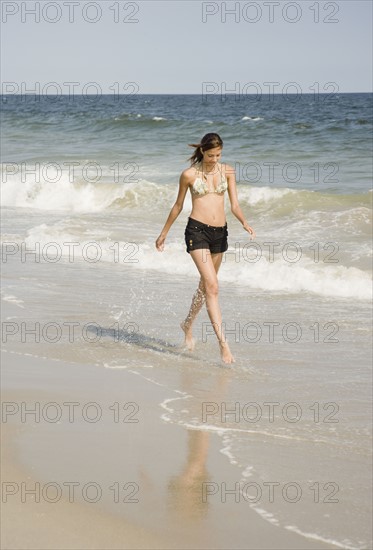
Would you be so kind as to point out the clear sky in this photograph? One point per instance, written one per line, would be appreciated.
(177, 46)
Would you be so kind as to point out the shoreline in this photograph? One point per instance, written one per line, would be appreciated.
(54, 452)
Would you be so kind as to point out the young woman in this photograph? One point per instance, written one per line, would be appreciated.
(206, 231)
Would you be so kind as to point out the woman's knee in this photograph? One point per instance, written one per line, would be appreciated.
(211, 287)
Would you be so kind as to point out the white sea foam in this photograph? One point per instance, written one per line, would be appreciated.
(78, 194)
(12, 299)
(125, 367)
(248, 472)
(64, 196)
(268, 516)
(252, 118)
(276, 275)
(255, 195)
(239, 268)
(227, 450)
(345, 545)
(345, 280)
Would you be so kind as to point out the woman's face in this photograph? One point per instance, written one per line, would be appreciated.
(212, 156)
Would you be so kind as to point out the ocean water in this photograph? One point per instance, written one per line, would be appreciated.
(86, 187)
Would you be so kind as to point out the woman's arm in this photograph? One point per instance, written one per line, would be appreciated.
(235, 206)
(175, 211)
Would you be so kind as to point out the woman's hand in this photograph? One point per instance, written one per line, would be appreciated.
(250, 230)
(159, 243)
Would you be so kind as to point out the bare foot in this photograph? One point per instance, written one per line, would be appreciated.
(189, 340)
(225, 353)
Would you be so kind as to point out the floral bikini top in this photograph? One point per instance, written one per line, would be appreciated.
(200, 187)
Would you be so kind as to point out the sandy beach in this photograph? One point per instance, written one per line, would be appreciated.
(165, 466)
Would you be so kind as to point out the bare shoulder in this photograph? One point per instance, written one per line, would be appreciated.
(188, 175)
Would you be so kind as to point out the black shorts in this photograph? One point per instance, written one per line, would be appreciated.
(202, 235)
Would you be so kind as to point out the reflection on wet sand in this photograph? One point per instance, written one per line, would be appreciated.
(185, 489)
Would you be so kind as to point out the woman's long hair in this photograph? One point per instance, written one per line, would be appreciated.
(209, 141)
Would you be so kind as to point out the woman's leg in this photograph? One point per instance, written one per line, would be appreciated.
(206, 267)
(216, 260)
(198, 300)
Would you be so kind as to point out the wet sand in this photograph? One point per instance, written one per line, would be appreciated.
(158, 468)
